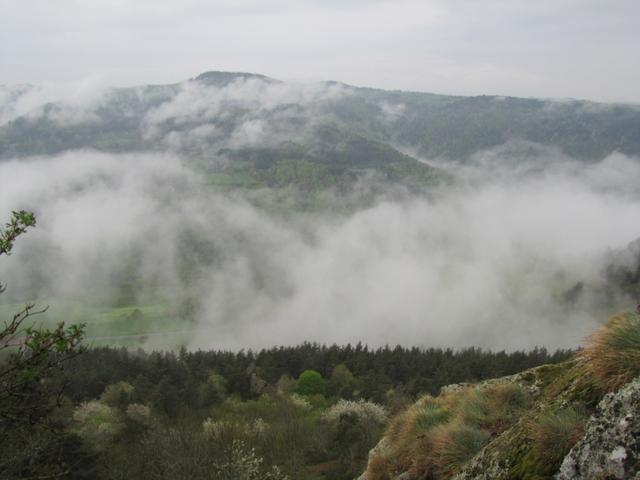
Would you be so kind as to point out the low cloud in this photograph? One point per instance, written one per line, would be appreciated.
(487, 262)
(65, 104)
(246, 112)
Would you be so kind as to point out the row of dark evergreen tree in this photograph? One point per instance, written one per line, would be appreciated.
(173, 381)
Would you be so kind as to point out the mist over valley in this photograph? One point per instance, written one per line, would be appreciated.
(238, 211)
(319, 240)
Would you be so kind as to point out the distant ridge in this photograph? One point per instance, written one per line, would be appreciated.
(221, 79)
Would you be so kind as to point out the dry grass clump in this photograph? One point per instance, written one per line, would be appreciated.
(454, 444)
(430, 414)
(475, 407)
(378, 469)
(510, 396)
(493, 408)
(436, 436)
(555, 433)
(612, 355)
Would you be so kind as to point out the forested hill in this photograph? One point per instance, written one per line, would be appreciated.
(329, 129)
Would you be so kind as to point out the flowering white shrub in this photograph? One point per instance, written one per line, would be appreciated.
(258, 426)
(139, 413)
(96, 421)
(215, 428)
(300, 402)
(244, 464)
(362, 409)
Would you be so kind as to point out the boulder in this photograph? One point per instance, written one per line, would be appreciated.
(610, 446)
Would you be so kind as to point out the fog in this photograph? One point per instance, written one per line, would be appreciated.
(75, 102)
(245, 113)
(487, 261)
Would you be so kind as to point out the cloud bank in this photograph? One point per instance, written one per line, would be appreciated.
(487, 262)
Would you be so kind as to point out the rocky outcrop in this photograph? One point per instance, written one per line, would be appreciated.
(610, 447)
(489, 463)
(380, 449)
(550, 422)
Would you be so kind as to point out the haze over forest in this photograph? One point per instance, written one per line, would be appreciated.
(319, 239)
(237, 211)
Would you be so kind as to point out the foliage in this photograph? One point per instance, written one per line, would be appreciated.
(342, 383)
(117, 395)
(30, 396)
(355, 429)
(17, 225)
(170, 380)
(310, 383)
(97, 423)
(244, 464)
(363, 410)
(34, 354)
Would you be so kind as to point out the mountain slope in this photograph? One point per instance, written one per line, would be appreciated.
(218, 110)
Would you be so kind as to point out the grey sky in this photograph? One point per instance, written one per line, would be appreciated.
(563, 48)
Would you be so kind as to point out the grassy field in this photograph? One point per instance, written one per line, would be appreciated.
(150, 326)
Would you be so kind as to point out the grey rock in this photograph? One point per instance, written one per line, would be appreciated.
(405, 476)
(610, 446)
(380, 449)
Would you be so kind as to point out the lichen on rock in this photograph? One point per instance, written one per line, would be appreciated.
(610, 447)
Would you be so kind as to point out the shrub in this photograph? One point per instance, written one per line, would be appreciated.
(300, 402)
(139, 413)
(342, 383)
(310, 382)
(285, 384)
(223, 429)
(244, 464)
(213, 391)
(363, 410)
(117, 395)
(355, 429)
(97, 422)
(612, 355)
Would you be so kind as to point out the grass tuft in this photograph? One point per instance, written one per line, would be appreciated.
(429, 415)
(454, 444)
(612, 355)
(378, 469)
(555, 433)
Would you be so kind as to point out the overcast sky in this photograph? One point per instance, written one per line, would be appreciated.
(561, 48)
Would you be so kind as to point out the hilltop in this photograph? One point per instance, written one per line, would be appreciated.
(332, 132)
